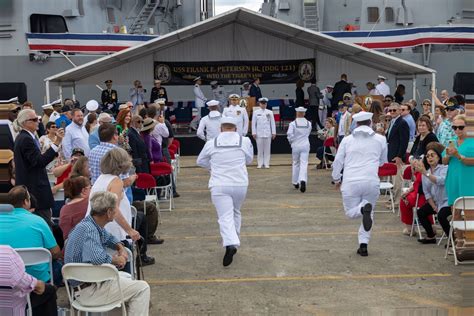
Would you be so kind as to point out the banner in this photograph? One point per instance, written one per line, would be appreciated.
(235, 72)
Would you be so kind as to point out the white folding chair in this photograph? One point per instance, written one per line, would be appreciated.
(134, 212)
(84, 272)
(462, 220)
(387, 187)
(416, 221)
(131, 275)
(34, 256)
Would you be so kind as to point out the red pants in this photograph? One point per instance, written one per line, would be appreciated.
(406, 210)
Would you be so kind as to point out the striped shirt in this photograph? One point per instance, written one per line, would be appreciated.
(13, 275)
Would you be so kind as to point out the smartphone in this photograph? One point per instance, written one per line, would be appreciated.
(63, 124)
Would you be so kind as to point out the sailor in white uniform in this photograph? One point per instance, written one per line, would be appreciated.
(219, 94)
(298, 136)
(199, 101)
(239, 113)
(382, 87)
(210, 125)
(263, 131)
(226, 156)
(360, 155)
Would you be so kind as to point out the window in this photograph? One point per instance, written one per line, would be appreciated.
(389, 15)
(110, 15)
(47, 23)
(372, 14)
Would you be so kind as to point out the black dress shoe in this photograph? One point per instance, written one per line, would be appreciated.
(427, 241)
(303, 186)
(230, 251)
(366, 211)
(155, 241)
(176, 195)
(363, 251)
(146, 261)
(297, 186)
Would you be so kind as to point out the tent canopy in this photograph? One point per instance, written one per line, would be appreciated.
(271, 26)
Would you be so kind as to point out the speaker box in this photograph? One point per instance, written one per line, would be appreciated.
(464, 83)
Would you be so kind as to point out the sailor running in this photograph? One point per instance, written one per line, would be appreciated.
(226, 156)
(298, 136)
(263, 131)
(239, 113)
(210, 125)
(360, 155)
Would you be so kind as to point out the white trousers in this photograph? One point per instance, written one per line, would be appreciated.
(300, 157)
(263, 151)
(228, 200)
(322, 116)
(136, 295)
(354, 196)
(195, 122)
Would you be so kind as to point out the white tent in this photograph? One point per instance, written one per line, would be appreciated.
(237, 35)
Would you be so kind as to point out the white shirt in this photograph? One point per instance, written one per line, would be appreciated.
(360, 155)
(241, 115)
(263, 123)
(383, 88)
(200, 99)
(211, 124)
(343, 125)
(298, 133)
(159, 132)
(245, 93)
(75, 137)
(226, 156)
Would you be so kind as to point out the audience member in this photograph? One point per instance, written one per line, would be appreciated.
(137, 94)
(314, 100)
(340, 89)
(88, 242)
(77, 190)
(299, 93)
(47, 111)
(327, 132)
(14, 277)
(152, 145)
(140, 154)
(405, 114)
(425, 136)
(91, 123)
(399, 93)
(94, 135)
(65, 118)
(440, 116)
(413, 110)
(76, 135)
(81, 168)
(124, 117)
(108, 136)
(49, 138)
(445, 133)
(343, 126)
(63, 171)
(411, 198)
(427, 109)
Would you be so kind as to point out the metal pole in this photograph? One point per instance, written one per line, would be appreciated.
(74, 91)
(433, 88)
(48, 98)
(414, 87)
(60, 92)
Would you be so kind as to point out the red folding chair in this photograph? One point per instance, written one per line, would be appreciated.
(386, 173)
(147, 182)
(328, 143)
(159, 169)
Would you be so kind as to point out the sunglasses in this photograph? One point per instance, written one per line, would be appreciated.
(460, 127)
(388, 120)
(392, 110)
(53, 126)
(431, 155)
(404, 110)
(426, 104)
(347, 98)
(33, 120)
(388, 100)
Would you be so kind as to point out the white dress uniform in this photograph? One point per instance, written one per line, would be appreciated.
(199, 101)
(263, 125)
(226, 156)
(298, 136)
(220, 95)
(241, 116)
(383, 88)
(209, 126)
(360, 155)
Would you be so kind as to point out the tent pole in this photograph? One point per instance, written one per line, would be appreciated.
(414, 87)
(433, 88)
(74, 91)
(48, 97)
(60, 91)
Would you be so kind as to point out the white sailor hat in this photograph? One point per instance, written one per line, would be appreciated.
(212, 103)
(53, 117)
(234, 96)
(197, 78)
(362, 116)
(381, 77)
(228, 120)
(246, 83)
(300, 109)
(213, 83)
(160, 101)
(47, 107)
(330, 86)
(263, 100)
(92, 105)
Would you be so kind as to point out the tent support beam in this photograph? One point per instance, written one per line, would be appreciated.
(48, 97)
(433, 88)
(414, 87)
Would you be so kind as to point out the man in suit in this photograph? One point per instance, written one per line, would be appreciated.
(140, 154)
(398, 136)
(109, 97)
(255, 91)
(31, 164)
(340, 88)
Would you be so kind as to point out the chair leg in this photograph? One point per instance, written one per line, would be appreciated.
(441, 239)
(392, 203)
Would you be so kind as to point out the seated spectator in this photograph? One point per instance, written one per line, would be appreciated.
(14, 277)
(425, 136)
(327, 131)
(151, 221)
(87, 243)
(81, 168)
(77, 190)
(63, 171)
(433, 181)
(22, 229)
(153, 147)
(409, 200)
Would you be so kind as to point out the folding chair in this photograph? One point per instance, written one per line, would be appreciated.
(177, 144)
(130, 259)
(134, 212)
(386, 172)
(462, 220)
(164, 169)
(328, 143)
(147, 182)
(34, 256)
(84, 272)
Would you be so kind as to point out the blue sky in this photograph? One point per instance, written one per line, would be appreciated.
(226, 5)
